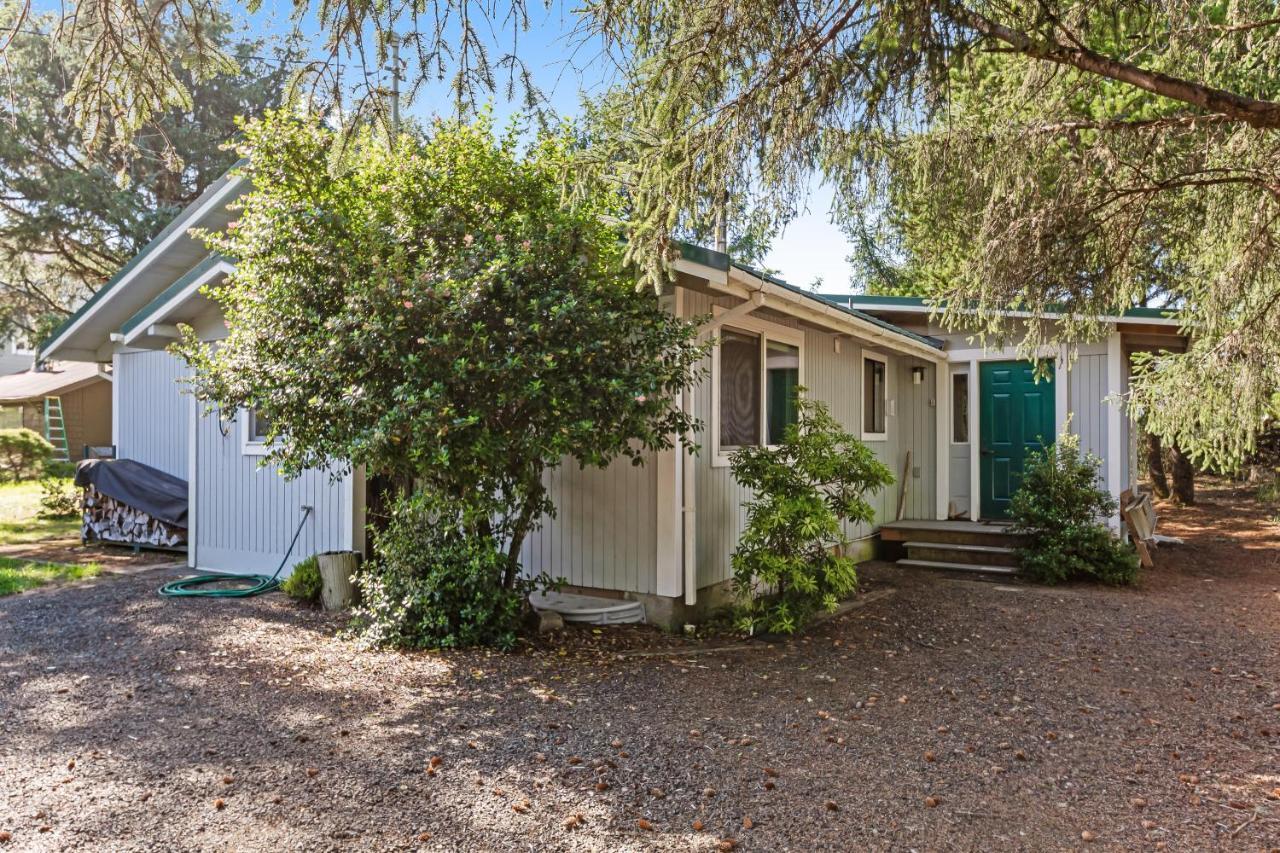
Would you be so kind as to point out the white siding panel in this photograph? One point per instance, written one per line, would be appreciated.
(834, 378)
(1087, 398)
(152, 410)
(246, 515)
(604, 533)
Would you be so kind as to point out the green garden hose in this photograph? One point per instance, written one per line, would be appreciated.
(194, 587)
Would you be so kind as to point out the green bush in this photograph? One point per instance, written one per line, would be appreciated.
(58, 499)
(304, 582)
(23, 453)
(436, 582)
(1060, 509)
(58, 468)
(789, 563)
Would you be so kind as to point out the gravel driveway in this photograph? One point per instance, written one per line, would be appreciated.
(942, 714)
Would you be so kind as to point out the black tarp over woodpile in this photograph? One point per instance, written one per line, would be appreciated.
(131, 503)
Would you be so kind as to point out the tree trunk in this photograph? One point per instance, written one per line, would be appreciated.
(1184, 477)
(532, 504)
(1155, 465)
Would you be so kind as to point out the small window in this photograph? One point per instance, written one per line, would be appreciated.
(257, 428)
(960, 408)
(782, 372)
(874, 397)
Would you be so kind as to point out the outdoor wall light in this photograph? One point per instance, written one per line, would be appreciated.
(917, 375)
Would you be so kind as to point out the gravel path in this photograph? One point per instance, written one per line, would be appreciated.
(949, 714)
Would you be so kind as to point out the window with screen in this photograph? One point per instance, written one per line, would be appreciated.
(874, 396)
(756, 381)
(960, 408)
(739, 389)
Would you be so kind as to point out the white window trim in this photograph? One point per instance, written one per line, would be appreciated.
(951, 391)
(862, 396)
(248, 445)
(767, 331)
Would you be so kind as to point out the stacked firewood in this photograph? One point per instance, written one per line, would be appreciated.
(108, 520)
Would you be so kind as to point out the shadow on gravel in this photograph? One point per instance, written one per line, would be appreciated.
(953, 715)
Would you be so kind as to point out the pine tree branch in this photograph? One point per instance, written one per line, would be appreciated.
(1252, 111)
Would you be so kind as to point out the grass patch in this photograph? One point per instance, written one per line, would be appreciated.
(17, 575)
(19, 524)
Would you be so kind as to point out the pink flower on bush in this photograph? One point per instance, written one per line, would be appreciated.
(640, 398)
(525, 245)
(467, 239)
(498, 238)
(408, 304)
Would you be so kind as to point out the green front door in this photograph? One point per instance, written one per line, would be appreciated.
(1016, 418)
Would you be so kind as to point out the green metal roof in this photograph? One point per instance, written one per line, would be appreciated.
(171, 291)
(722, 261)
(104, 291)
(921, 302)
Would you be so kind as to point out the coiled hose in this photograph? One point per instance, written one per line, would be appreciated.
(195, 586)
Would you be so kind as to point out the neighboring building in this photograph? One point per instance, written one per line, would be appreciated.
(68, 403)
(16, 355)
(662, 532)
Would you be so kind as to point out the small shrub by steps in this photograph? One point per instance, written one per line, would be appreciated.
(1061, 509)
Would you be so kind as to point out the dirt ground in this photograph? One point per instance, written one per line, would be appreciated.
(944, 714)
(109, 557)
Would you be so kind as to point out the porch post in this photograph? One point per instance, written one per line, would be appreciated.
(1115, 411)
(975, 441)
(942, 408)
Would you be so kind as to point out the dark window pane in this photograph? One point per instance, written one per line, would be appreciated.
(782, 370)
(960, 407)
(739, 389)
(259, 426)
(873, 395)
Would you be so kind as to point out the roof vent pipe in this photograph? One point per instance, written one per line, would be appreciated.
(722, 227)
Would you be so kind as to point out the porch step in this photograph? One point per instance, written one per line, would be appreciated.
(948, 552)
(975, 568)
(953, 532)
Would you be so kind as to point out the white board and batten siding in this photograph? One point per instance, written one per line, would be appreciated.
(835, 379)
(1087, 405)
(604, 533)
(242, 517)
(151, 413)
(245, 515)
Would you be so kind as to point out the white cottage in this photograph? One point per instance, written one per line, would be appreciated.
(661, 533)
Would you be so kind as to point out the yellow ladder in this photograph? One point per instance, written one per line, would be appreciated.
(55, 429)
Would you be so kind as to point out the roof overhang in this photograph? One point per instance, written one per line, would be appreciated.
(724, 276)
(155, 325)
(913, 305)
(86, 335)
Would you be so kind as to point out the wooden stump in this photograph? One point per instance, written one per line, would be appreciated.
(336, 569)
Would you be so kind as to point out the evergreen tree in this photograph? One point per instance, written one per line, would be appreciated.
(70, 216)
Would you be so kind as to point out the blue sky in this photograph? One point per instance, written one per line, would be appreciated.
(564, 66)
